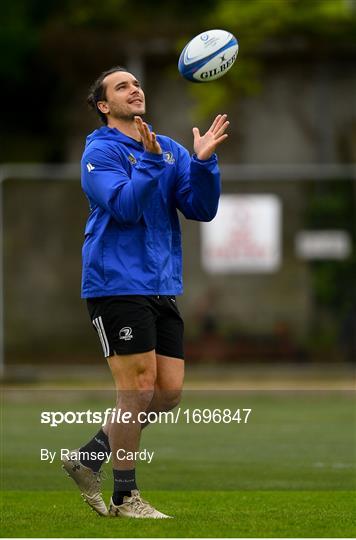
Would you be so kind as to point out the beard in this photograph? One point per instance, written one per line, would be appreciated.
(126, 113)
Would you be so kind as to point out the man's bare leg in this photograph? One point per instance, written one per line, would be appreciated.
(167, 388)
(139, 374)
(134, 376)
(168, 385)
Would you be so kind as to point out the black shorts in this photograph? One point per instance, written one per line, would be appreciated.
(136, 323)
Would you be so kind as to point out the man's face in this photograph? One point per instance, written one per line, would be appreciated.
(124, 96)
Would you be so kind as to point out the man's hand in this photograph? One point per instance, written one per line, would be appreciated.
(149, 140)
(205, 146)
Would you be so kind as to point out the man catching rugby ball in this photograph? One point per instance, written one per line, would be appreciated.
(135, 182)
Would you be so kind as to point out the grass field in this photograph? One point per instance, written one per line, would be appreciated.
(290, 471)
(197, 514)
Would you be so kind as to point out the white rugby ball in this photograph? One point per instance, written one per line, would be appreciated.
(208, 56)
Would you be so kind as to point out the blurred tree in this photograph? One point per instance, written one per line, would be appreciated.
(51, 48)
(26, 84)
(333, 281)
(264, 27)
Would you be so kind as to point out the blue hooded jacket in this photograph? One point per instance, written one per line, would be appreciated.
(132, 238)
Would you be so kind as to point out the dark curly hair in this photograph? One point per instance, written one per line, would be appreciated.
(97, 92)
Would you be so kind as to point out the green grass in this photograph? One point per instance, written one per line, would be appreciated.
(290, 471)
(204, 514)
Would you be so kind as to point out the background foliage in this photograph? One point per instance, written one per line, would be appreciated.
(53, 48)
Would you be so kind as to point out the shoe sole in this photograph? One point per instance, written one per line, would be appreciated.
(84, 497)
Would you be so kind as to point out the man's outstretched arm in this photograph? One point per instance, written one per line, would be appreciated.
(198, 184)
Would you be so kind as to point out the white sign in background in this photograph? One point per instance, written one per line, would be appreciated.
(245, 235)
(323, 245)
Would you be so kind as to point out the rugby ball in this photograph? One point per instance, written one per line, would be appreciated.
(208, 56)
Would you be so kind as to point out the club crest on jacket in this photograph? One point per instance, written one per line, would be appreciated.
(132, 159)
(168, 156)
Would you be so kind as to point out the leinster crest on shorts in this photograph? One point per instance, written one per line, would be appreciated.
(126, 333)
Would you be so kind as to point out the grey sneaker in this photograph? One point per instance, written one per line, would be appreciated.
(135, 507)
(88, 481)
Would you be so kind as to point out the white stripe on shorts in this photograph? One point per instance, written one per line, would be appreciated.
(98, 323)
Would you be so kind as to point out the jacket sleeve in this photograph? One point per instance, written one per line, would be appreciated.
(107, 183)
(197, 187)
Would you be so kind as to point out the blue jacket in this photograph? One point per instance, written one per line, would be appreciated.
(132, 238)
